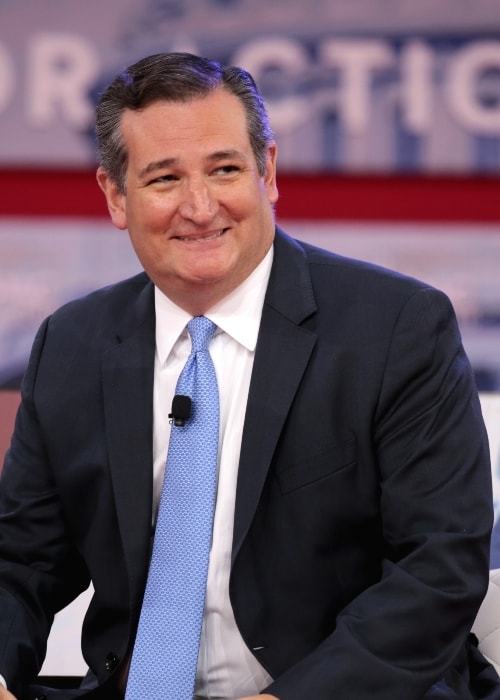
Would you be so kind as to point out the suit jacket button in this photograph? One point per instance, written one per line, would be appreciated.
(43, 696)
(111, 661)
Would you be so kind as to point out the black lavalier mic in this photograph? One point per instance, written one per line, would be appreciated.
(181, 410)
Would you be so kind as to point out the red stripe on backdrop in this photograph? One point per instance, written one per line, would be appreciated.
(74, 193)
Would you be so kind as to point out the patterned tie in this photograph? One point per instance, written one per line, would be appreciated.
(165, 654)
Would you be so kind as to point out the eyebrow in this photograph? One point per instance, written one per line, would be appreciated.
(226, 154)
(155, 165)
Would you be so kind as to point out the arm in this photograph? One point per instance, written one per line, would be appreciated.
(401, 634)
(39, 571)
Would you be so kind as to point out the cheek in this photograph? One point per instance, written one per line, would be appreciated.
(243, 207)
(149, 215)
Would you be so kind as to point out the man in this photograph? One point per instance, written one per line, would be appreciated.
(353, 513)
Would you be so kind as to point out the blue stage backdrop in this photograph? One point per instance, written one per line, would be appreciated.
(352, 85)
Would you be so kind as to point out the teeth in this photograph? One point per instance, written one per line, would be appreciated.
(202, 238)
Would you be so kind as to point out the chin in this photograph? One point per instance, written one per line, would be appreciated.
(207, 274)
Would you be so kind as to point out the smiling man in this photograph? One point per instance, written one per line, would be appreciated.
(193, 200)
(348, 482)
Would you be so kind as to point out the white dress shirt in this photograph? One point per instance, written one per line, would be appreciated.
(226, 668)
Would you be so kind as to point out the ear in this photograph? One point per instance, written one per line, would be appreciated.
(115, 199)
(270, 174)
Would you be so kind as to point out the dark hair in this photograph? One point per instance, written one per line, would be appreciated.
(174, 77)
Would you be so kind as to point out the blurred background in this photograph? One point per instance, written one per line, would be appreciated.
(386, 114)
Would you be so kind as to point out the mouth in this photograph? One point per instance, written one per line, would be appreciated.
(202, 238)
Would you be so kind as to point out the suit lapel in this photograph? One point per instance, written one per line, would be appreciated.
(127, 373)
(283, 351)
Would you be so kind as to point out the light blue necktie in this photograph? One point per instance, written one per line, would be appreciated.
(166, 648)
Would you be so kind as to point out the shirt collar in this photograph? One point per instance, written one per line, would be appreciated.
(238, 314)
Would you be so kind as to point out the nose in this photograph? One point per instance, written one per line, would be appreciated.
(197, 202)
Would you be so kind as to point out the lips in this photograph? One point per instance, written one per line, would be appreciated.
(203, 238)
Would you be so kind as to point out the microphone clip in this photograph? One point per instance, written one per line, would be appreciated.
(181, 410)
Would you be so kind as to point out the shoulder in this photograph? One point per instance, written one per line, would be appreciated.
(109, 299)
(105, 308)
(341, 284)
(98, 318)
(338, 271)
(75, 336)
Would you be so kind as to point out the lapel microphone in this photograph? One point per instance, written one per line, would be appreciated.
(181, 410)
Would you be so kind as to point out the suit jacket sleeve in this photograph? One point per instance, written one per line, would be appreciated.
(401, 633)
(40, 572)
(79, 468)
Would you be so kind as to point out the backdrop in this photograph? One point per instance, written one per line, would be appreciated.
(370, 85)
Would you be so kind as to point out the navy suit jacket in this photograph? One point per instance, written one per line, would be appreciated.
(363, 505)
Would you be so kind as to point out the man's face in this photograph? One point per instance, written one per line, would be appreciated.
(199, 215)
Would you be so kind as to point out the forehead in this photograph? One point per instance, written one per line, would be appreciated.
(218, 117)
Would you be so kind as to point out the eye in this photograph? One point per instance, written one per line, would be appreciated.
(163, 179)
(227, 169)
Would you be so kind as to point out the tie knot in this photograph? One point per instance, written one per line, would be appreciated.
(201, 330)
